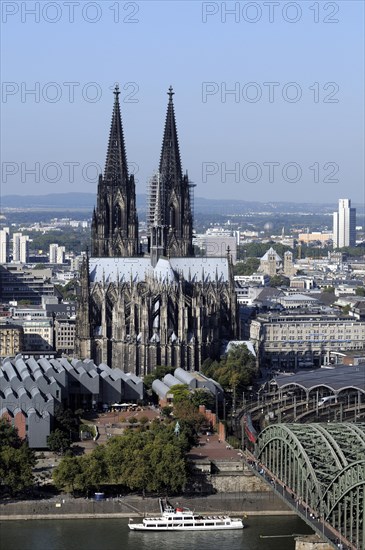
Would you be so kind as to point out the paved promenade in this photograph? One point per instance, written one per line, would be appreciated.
(66, 507)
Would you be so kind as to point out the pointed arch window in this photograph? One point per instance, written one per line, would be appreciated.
(172, 216)
(106, 212)
(119, 216)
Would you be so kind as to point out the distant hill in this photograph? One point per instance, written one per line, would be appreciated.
(201, 205)
(54, 200)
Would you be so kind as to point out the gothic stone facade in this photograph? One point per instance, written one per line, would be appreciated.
(162, 308)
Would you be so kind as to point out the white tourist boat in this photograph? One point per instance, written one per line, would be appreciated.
(183, 519)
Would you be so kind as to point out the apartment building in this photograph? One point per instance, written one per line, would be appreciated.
(38, 334)
(65, 335)
(11, 339)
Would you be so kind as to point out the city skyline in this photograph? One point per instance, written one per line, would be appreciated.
(282, 123)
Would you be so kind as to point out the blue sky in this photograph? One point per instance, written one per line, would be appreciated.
(246, 145)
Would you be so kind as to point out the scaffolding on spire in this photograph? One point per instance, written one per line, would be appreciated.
(156, 201)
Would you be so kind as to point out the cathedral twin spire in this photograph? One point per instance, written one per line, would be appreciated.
(172, 191)
(170, 163)
(115, 223)
(116, 167)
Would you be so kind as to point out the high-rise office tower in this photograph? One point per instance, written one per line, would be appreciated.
(56, 254)
(20, 248)
(24, 249)
(344, 225)
(4, 245)
(16, 247)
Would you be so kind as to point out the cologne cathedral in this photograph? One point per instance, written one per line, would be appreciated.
(160, 307)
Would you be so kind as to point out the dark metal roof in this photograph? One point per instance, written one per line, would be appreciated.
(336, 379)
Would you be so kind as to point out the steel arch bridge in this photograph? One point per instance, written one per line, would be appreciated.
(324, 466)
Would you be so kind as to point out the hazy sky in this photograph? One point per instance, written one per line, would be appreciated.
(292, 128)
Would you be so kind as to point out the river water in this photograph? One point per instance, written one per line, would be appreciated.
(113, 534)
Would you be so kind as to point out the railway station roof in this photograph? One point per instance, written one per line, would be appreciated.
(335, 379)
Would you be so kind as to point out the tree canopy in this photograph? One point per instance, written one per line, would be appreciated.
(66, 423)
(257, 250)
(144, 459)
(180, 392)
(58, 441)
(16, 460)
(159, 372)
(279, 280)
(247, 267)
(234, 371)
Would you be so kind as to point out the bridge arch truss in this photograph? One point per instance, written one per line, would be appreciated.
(324, 466)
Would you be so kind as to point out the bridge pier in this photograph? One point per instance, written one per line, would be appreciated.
(311, 542)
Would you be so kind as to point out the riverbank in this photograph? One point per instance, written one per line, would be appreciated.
(123, 515)
(64, 507)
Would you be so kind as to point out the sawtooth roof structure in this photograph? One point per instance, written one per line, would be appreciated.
(32, 389)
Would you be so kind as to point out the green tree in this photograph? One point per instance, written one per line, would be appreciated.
(68, 475)
(209, 367)
(8, 435)
(190, 421)
(16, 460)
(180, 392)
(248, 267)
(58, 441)
(204, 397)
(360, 291)
(16, 468)
(129, 461)
(279, 280)
(69, 290)
(257, 250)
(114, 456)
(94, 470)
(167, 478)
(354, 250)
(65, 419)
(234, 372)
(159, 372)
(138, 471)
(75, 239)
(149, 460)
(166, 411)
